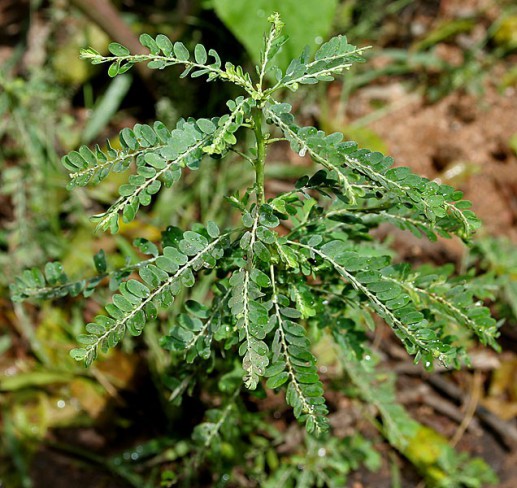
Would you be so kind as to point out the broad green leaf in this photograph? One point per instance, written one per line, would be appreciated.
(307, 23)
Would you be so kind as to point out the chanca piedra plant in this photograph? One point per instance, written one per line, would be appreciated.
(303, 260)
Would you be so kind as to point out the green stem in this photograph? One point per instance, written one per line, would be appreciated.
(261, 155)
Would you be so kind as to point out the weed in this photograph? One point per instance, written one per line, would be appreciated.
(291, 268)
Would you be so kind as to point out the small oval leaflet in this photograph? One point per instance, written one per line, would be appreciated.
(181, 51)
(118, 50)
(200, 54)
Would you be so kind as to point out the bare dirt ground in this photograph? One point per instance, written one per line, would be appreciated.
(462, 140)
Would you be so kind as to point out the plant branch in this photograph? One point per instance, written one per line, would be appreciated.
(261, 155)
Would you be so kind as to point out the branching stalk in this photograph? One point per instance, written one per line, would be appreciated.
(261, 156)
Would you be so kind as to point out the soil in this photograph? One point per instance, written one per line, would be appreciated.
(462, 130)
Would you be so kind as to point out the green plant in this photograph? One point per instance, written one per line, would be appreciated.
(497, 260)
(29, 167)
(291, 268)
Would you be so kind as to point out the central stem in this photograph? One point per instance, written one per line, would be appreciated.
(261, 155)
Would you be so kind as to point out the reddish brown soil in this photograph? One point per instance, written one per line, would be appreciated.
(461, 129)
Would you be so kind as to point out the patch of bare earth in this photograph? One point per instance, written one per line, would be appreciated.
(463, 141)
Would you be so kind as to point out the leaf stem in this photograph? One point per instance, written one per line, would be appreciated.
(261, 155)
(54, 291)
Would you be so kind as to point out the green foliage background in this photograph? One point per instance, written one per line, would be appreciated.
(247, 20)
